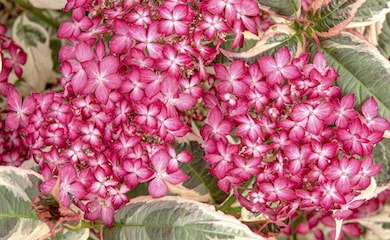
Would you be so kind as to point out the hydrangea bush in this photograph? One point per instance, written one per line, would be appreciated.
(216, 119)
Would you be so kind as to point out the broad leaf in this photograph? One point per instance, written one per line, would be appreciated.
(331, 17)
(363, 70)
(35, 41)
(273, 39)
(201, 185)
(284, 8)
(82, 234)
(175, 218)
(381, 155)
(18, 220)
(370, 12)
(384, 37)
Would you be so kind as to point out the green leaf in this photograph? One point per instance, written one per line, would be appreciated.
(370, 12)
(362, 69)
(381, 155)
(384, 37)
(285, 8)
(273, 39)
(201, 185)
(81, 234)
(332, 17)
(175, 218)
(18, 220)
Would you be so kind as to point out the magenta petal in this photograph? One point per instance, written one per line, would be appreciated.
(157, 188)
(370, 108)
(102, 93)
(176, 177)
(12, 121)
(160, 160)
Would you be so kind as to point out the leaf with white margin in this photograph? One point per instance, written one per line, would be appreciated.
(35, 41)
(175, 218)
(284, 8)
(18, 220)
(381, 155)
(332, 16)
(384, 37)
(370, 12)
(48, 4)
(362, 69)
(274, 38)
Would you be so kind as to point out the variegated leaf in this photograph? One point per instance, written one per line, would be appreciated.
(381, 154)
(363, 70)
(18, 220)
(384, 37)
(35, 41)
(175, 218)
(332, 16)
(273, 39)
(82, 234)
(284, 8)
(370, 12)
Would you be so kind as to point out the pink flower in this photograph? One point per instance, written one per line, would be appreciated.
(211, 24)
(370, 111)
(18, 117)
(174, 20)
(136, 172)
(367, 170)
(217, 126)
(341, 171)
(231, 80)
(330, 195)
(279, 190)
(278, 68)
(147, 39)
(102, 77)
(160, 162)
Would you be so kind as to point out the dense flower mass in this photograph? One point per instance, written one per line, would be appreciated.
(136, 76)
(133, 74)
(282, 123)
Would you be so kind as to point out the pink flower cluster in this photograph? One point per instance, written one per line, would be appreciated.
(13, 150)
(133, 75)
(283, 125)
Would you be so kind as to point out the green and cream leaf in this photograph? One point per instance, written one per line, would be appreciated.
(332, 16)
(175, 218)
(18, 220)
(370, 12)
(362, 68)
(35, 41)
(283, 8)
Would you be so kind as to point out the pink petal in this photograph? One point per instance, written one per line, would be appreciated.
(176, 177)
(160, 160)
(157, 188)
(282, 56)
